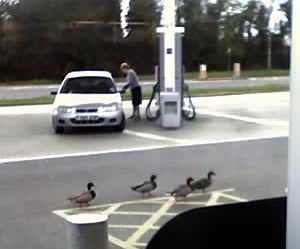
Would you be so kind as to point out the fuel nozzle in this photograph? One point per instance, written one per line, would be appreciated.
(185, 87)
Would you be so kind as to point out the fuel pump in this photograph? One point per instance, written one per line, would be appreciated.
(170, 90)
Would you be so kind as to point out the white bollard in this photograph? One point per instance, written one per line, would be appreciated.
(87, 231)
(203, 71)
(236, 70)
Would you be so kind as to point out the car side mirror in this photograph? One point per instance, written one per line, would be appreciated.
(54, 93)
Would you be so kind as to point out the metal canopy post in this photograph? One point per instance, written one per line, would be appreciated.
(293, 210)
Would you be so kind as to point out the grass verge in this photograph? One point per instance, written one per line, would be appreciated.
(195, 92)
(188, 76)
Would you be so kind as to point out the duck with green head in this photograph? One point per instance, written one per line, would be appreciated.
(204, 183)
(147, 186)
(84, 197)
(184, 190)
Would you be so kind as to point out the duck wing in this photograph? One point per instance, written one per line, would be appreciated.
(145, 187)
(182, 191)
(201, 184)
(81, 198)
(178, 189)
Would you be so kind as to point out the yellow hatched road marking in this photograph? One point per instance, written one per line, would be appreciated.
(140, 213)
(165, 203)
(112, 209)
(155, 200)
(192, 203)
(120, 243)
(140, 244)
(150, 222)
(213, 200)
(131, 226)
(232, 197)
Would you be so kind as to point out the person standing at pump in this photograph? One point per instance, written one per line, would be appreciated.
(136, 90)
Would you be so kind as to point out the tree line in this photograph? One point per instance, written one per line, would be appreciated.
(47, 38)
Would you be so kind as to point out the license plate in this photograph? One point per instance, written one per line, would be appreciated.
(83, 118)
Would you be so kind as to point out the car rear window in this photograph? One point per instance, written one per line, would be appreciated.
(89, 85)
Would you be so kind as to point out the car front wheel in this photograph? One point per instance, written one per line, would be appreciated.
(59, 130)
(122, 125)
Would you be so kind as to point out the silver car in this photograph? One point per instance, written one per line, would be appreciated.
(87, 99)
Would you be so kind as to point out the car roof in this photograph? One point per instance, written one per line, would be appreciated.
(77, 74)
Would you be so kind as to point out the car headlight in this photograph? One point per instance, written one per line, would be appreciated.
(110, 108)
(65, 109)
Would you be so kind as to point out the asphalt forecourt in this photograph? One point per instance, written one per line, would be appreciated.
(242, 138)
(219, 119)
(35, 192)
(133, 223)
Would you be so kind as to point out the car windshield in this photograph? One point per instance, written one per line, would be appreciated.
(89, 85)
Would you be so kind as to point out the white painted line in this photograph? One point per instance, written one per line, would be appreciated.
(270, 122)
(79, 154)
(157, 137)
(253, 79)
(25, 110)
(134, 149)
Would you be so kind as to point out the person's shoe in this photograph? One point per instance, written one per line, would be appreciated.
(132, 117)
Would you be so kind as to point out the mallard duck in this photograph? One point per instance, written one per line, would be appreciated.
(85, 197)
(204, 183)
(146, 187)
(184, 190)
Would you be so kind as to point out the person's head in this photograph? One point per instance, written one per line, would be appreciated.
(124, 67)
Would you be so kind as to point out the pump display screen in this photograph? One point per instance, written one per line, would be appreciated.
(171, 107)
(169, 51)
